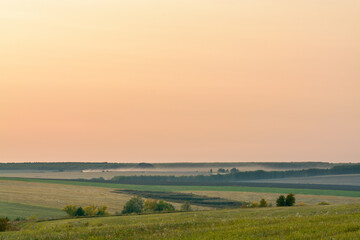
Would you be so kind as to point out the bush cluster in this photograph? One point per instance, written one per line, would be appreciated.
(92, 210)
(152, 205)
(4, 224)
(138, 205)
(262, 203)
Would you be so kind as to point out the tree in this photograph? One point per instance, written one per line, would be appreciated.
(101, 211)
(163, 206)
(280, 202)
(254, 205)
(70, 210)
(263, 203)
(234, 170)
(185, 206)
(135, 204)
(290, 200)
(211, 171)
(145, 165)
(221, 170)
(150, 205)
(90, 210)
(80, 212)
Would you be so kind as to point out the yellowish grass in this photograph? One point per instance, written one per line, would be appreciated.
(57, 196)
(60, 195)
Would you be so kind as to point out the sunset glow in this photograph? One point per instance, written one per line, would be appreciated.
(165, 81)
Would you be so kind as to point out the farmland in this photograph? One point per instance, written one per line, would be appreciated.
(44, 198)
(56, 194)
(171, 188)
(16, 210)
(308, 222)
(348, 179)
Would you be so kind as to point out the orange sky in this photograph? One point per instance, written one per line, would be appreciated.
(163, 81)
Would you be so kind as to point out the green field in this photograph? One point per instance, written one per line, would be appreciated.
(14, 210)
(195, 188)
(345, 179)
(309, 222)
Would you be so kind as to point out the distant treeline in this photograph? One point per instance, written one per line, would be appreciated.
(232, 177)
(79, 166)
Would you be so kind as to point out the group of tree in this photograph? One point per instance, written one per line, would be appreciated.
(287, 201)
(232, 175)
(262, 203)
(138, 205)
(232, 170)
(92, 210)
(78, 166)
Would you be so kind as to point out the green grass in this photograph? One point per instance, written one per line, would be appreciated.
(295, 223)
(14, 210)
(345, 179)
(170, 188)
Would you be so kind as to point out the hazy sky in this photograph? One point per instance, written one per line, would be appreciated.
(163, 81)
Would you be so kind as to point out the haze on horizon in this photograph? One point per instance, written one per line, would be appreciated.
(165, 81)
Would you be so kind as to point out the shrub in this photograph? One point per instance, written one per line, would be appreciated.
(90, 210)
(70, 210)
(323, 203)
(263, 203)
(163, 206)
(150, 205)
(290, 200)
(32, 217)
(102, 211)
(185, 206)
(254, 205)
(80, 212)
(280, 202)
(4, 224)
(134, 205)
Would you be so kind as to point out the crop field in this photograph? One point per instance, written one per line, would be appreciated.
(57, 196)
(172, 188)
(347, 179)
(295, 223)
(15, 210)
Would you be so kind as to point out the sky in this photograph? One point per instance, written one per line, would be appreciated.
(167, 81)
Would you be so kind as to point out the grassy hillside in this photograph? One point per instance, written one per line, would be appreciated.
(311, 222)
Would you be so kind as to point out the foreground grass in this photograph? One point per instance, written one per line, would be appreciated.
(14, 210)
(171, 188)
(310, 222)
